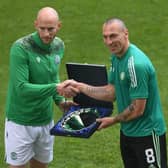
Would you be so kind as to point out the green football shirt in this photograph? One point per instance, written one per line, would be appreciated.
(34, 73)
(134, 77)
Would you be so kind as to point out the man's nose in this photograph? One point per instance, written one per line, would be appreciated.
(46, 32)
(109, 41)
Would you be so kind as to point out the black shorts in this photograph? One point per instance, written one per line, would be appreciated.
(144, 152)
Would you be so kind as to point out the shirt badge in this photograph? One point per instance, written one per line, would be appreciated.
(57, 59)
(13, 155)
(122, 75)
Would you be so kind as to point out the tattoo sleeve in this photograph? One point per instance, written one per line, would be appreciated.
(131, 107)
(126, 114)
(105, 93)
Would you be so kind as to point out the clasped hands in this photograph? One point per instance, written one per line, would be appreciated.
(68, 88)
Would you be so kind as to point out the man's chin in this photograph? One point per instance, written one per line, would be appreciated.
(47, 41)
(112, 50)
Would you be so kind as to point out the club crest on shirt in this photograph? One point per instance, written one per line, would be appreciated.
(122, 75)
(57, 59)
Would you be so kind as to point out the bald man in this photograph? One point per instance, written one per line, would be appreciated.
(34, 79)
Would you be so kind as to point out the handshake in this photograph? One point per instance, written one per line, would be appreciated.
(70, 88)
(104, 94)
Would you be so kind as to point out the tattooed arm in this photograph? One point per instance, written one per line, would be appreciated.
(68, 88)
(106, 93)
(134, 110)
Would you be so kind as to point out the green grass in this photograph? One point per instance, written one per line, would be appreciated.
(81, 31)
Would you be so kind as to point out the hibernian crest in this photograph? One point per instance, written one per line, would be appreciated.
(57, 59)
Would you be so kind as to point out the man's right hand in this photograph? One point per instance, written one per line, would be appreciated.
(68, 88)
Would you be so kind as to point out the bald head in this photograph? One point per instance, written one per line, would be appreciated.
(47, 24)
(47, 13)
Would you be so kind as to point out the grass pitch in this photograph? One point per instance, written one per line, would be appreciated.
(81, 31)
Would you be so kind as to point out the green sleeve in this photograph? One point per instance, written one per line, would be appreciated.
(111, 71)
(19, 71)
(139, 82)
(110, 76)
(56, 97)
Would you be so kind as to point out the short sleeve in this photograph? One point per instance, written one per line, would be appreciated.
(139, 77)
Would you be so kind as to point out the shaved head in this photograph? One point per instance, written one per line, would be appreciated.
(47, 24)
(115, 35)
(117, 22)
(47, 12)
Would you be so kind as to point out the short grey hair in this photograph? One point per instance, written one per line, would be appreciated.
(116, 20)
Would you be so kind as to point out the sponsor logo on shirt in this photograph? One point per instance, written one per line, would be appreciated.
(57, 59)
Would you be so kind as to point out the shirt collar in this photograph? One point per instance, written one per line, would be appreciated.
(40, 43)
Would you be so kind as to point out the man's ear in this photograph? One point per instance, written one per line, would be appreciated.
(35, 24)
(59, 25)
(126, 32)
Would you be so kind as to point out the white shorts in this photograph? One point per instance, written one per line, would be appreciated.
(22, 143)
